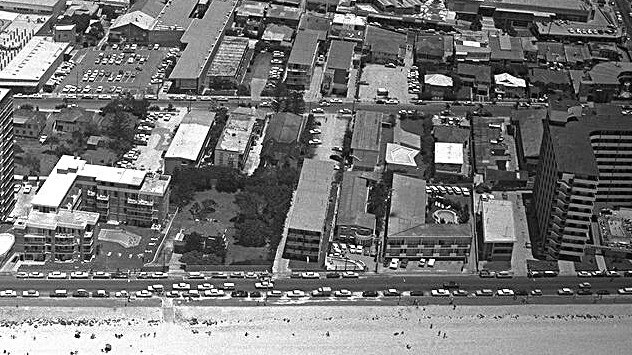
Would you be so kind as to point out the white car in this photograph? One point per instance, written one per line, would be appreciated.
(22, 274)
(625, 291)
(394, 264)
(159, 275)
(57, 275)
(350, 275)
(30, 293)
(214, 293)
(79, 275)
(505, 292)
(310, 275)
(315, 131)
(204, 287)
(343, 293)
(440, 293)
(565, 292)
(8, 293)
(264, 285)
(121, 294)
(315, 141)
(318, 110)
(274, 293)
(36, 275)
(194, 275)
(335, 100)
(296, 293)
(181, 286)
(583, 274)
(143, 294)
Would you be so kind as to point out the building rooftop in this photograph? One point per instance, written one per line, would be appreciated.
(430, 45)
(509, 80)
(283, 12)
(505, 47)
(408, 204)
(284, 127)
(551, 52)
(277, 33)
(481, 73)
(498, 222)
(540, 5)
(385, 41)
(366, 131)
(546, 76)
(349, 20)
(33, 61)
(188, 141)
(311, 199)
(531, 130)
(32, 2)
(63, 218)
(400, 155)
(155, 184)
(448, 153)
(236, 134)
(450, 134)
(438, 80)
(175, 15)
(228, 57)
(340, 55)
(136, 18)
(607, 73)
(201, 37)
(354, 195)
(315, 22)
(252, 9)
(6, 243)
(304, 48)
(69, 168)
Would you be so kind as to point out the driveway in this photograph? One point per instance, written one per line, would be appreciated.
(333, 130)
(151, 154)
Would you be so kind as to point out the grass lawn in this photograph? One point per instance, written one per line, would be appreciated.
(210, 214)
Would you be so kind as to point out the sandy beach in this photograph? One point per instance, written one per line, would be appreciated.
(534, 329)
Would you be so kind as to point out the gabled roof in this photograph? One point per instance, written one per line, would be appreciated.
(400, 155)
(284, 127)
(509, 80)
(354, 195)
(136, 18)
(438, 80)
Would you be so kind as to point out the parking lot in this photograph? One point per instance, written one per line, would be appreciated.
(149, 155)
(378, 76)
(116, 71)
(333, 130)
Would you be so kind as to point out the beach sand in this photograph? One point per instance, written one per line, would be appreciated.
(534, 329)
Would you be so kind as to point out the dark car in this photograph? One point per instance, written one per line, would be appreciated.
(486, 274)
(369, 294)
(584, 291)
(81, 293)
(333, 275)
(417, 293)
(403, 264)
(627, 273)
(120, 275)
(239, 294)
(296, 275)
(336, 157)
(522, 293)
(255, 294)
(603, 292)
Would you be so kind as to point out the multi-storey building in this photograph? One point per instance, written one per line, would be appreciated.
(408, 234)
(233, 147)
(306, 239)
(300, 64)
(63, 235)
(7, 200)
(584, 166)
(129, 196)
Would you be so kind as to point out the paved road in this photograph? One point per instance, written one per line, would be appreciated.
(373, 283)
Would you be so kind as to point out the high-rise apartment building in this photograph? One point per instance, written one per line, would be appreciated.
(585, 165)
(7, 198)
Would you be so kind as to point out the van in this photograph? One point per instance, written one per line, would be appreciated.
(430, 262)
(394, 264)
(228, 286)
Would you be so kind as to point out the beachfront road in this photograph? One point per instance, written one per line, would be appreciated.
(364, 283)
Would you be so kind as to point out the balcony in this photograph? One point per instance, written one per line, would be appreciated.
(104, 198)
(91, 193)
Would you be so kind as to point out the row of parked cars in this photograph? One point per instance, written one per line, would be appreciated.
(61, 275)
(445, 189)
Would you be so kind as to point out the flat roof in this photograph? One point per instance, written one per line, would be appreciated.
(31, 2)
(448, 153)
(340, 55)
(405, 138)
(68, 168)
(311, 199)
(228, 57)
(284, 127)
(304, 48)
(354, 194)
(201, 38)
(400, 155)
(236, 134)
(531, 130)
(366, 131)
(560, 5)
(33, 61)
(498, 222)
(408, 204)
(188, 141)
(175, 14)
(385, 41)
(62, 218)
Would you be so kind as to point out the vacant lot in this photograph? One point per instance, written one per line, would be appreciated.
(379, 76)
(211, 213)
